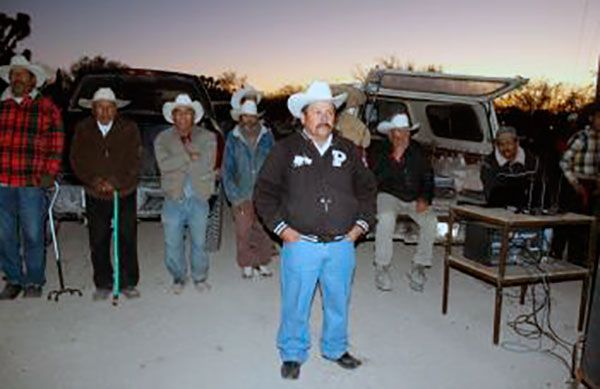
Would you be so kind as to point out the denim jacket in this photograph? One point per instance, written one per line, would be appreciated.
(242, 163)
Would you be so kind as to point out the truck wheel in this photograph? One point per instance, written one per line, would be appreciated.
(215, 222)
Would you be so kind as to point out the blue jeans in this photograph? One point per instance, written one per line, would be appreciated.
(190, 212)
(22, 219)
(303, 264)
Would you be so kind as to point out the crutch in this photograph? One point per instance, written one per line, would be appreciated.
(116, 288)
(55, 294)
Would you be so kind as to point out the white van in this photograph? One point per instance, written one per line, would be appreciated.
(458, 123)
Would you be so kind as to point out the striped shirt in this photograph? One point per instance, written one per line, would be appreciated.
(31, 141)
(582, 158)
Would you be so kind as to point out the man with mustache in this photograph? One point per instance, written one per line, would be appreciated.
(405, 184)
(314, 193)
(31, 145)
(506, 171)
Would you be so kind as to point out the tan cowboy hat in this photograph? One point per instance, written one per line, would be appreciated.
(183, 100)
(355, 98)
(317, 91)
(246, 91)
(400, 122)
(19, 61)
(105, 94)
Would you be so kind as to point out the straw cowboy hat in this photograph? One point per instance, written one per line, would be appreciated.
(356, 97)
(183, 100)
(19, 61)
(353, 129)
(246, 91)
(318, 91)
(105, 94)
(398, 122)
(248, 108)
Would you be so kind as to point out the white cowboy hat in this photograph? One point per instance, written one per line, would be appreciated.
(398, 122)
(238, 96)
(106, 94)
(317, 91)
(183, 100)
(248, 108)
(19, 61)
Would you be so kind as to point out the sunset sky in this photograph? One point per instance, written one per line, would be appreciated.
(278, 42)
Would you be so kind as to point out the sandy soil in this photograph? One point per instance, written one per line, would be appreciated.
(225, 338)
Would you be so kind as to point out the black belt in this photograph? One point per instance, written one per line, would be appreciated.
(322, 238)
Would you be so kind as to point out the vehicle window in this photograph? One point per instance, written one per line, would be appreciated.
(145, 93)
(454, 121)
(380, 110)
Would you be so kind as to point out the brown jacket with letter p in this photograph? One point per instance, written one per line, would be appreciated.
(316, 195)
(115, 157)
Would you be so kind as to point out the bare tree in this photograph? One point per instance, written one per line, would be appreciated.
(541, 95)
(86, 64)
(214, 89)
(286, 90)
(393, 62)
(230, 81)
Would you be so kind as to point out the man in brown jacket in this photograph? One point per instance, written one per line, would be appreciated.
(105, 156)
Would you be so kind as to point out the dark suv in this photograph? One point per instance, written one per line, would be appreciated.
(147, 91)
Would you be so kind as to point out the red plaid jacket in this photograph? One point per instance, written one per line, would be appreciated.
(31, 141)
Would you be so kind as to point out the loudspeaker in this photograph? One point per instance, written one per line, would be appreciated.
(590, 360)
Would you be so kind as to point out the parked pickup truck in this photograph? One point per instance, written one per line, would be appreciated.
(147, 90)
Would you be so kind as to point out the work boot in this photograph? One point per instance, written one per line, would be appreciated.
(202, 286)
(347, 361)
(10, 291)
(177, 287)
(416, 277)
(383, 279)
(290, 370)
(131, 292)
(101, 294)
(32, 291)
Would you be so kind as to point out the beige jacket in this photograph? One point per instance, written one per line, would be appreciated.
(174, 162)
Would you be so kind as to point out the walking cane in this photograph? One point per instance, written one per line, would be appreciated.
(55, 294)
(115, 297)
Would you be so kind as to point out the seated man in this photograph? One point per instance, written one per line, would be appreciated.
(507, 171)
(405, 186)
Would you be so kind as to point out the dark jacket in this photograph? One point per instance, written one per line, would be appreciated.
(507, 184)
(409, 179)
(116, 157)
(315, 195)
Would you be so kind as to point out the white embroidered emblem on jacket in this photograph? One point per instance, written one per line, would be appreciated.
(301, 160)
(338, 158)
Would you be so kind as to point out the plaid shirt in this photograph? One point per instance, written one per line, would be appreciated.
(31, 141)
(582, 158)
